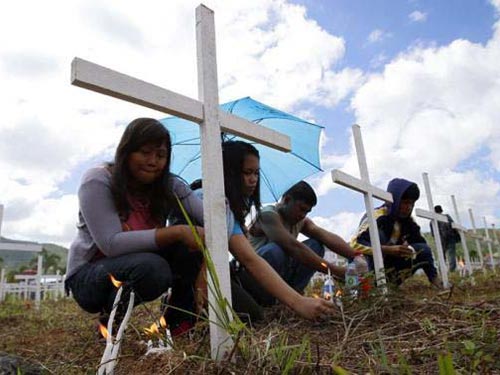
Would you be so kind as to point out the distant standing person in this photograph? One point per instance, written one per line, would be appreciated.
(449, 238)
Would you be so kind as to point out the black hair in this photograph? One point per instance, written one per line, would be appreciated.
(302, 191)
(140, 132)
(438, 209)
(412, 192)
(233, 156)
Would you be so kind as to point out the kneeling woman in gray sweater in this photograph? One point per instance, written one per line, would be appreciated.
(121, 228)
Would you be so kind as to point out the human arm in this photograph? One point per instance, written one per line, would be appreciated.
(332, 241)
(99, 214)
(309, 308)
(270, 224)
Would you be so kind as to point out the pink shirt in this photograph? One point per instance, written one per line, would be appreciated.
(140, 217)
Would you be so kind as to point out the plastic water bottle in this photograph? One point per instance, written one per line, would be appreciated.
(328, 290)
(351, 279)
(365, 284)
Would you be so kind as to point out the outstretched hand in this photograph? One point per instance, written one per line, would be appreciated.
(315, 308)
(402, 251)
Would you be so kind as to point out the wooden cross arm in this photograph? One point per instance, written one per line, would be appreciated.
(20, 247)
(121, 86)
(431, 215)
(476, 236)
(459, 227)
(359, 185)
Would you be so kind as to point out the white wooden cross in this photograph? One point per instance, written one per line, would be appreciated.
(25, 246)
(213, 121)
(434, 217)
(477, 238)
(462, 230)
(489, 241)
(495, 235)
(369, 191)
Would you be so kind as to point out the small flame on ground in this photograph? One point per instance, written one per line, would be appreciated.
(103, 330)
(338, 293)
(163, 323)
(461, 263)
(324, 264)
(152, 330)
(115, 282)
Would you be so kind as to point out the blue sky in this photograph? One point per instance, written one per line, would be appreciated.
(421, 78)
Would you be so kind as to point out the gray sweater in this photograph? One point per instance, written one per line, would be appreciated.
(100, 228)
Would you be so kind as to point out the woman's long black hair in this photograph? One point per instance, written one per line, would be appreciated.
(140, 132)
(233, 156)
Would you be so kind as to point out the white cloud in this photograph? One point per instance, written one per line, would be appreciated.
(429, 111)
(344, 223)
(267, 48)
(378, 35)
(417, 16)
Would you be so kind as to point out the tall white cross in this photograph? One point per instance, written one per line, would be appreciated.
(369, 191)
(462, 230)
(493, 229)
(489, 241)
(477, 237)
(434, 217)
(213, 121)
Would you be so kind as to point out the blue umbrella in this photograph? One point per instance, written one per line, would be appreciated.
(278, 170)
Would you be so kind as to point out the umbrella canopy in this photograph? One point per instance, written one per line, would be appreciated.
(278, 170)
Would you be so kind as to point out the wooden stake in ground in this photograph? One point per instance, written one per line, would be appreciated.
(434, 217)
(462, 231)
(212, 121)
(477, 238)
(489, 241)
(369, 191)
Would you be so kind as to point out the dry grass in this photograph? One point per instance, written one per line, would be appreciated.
(401, 334)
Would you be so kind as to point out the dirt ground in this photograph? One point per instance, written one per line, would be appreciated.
(412, 330)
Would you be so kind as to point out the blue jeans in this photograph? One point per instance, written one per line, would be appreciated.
(451, 252)
(148, 274)
(291, 271)
(397, 269)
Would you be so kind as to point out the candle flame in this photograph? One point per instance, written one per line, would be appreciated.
(324, 264)
(163, 323)
(115, 282)
(315, 295)
(338, 293)
(103, 330)
(152, 330)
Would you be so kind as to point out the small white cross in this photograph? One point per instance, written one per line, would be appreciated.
(369, 191)
(212, 122)
(489, 241)
(434, 217)
(463, 231)
(477, 238)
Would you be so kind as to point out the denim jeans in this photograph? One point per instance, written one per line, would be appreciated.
(451, 252)
(147, 274)
(397, 269)
(291, 271)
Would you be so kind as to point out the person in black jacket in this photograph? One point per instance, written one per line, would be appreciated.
(449, 238)
(404, 248)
